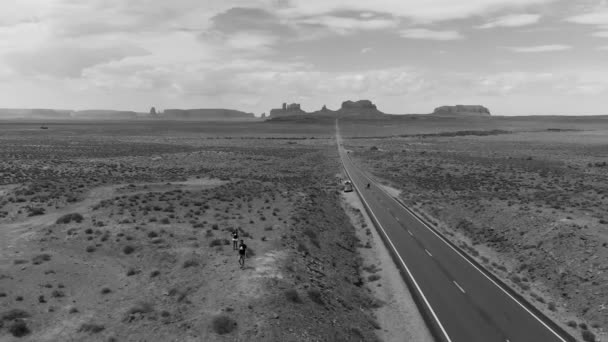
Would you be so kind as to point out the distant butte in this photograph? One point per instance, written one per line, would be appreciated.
(462, 110)
(359, 109)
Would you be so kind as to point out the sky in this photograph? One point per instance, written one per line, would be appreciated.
(517, 57)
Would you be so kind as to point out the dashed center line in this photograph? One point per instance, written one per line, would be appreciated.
(427, 252)
(410, 232)
(458, 286)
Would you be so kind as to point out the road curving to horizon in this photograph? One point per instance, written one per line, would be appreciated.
(459, 300)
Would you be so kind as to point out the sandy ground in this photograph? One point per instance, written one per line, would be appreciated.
(399, 316)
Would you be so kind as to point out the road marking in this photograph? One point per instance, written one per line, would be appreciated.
(477, 268)
(396, 218)
(428, 305)
(410, 232)
(427, 252)
(458, 286)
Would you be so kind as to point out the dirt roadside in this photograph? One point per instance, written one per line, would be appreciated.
(399, 317)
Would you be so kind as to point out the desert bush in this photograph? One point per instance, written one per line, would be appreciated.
(219, 242)
(91, 328)
(572, 324)
(293, 296)
(39, 259)
(371, 302)
(190, 263)
(14, 314)
(140, 308)
(588, 336)
(131, 272)
(128, 249)
(154, 273)
(106, 290)
(165, 220)
(223, 324)
(373, 277)
(57, 294)
(315, 296)
(67, 218)
(302, 248)
(18, 328)
(35, 211)
(90, 249)
(552, 306)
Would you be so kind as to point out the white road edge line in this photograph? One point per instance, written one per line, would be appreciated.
(477, 268)
(410, 232)
(458, 286)
(427, 252)
(402, 262)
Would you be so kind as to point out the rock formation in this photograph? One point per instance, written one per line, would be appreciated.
(361, 108)
(462, 110)
(287, 110)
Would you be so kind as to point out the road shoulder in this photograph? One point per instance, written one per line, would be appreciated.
(399, 317)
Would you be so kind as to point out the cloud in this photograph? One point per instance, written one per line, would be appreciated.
(66, 60)
(514, 20)
(597, 17)
(348, 25)
(600, 34)
(239, 19)
(366, 50)
(422, 33)
(420, 11)
(603, 48)
(539, 48)
(260, 41)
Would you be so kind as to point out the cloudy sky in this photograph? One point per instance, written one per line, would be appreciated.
(518, 57)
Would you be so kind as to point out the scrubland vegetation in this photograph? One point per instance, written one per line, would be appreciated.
(530, 206)
(130, 236)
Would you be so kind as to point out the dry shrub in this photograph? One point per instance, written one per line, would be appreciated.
(223, 324)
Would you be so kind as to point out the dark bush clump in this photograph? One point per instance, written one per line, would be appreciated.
(588, 336)
(18, 328)
(223, 324)
(39, 259)
(128, 249)
(190, 263)
(91, 328)
(293, 296)
(14, 314)
(219, 242)
(67, 218)
(315, 296)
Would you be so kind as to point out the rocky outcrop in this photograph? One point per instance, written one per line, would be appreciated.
(287, 110)
(462, 110)
(359, 108)
(363, 109)
(361, 104)
(206, 114)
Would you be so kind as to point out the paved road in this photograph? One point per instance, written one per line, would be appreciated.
(463, 303)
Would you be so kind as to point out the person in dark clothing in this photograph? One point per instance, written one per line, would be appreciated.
(242, 253)
(235, 239)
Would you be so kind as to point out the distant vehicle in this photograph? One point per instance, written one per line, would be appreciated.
(43, 127)
(348, 186)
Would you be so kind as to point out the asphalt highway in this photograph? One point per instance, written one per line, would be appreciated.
(462, 303)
